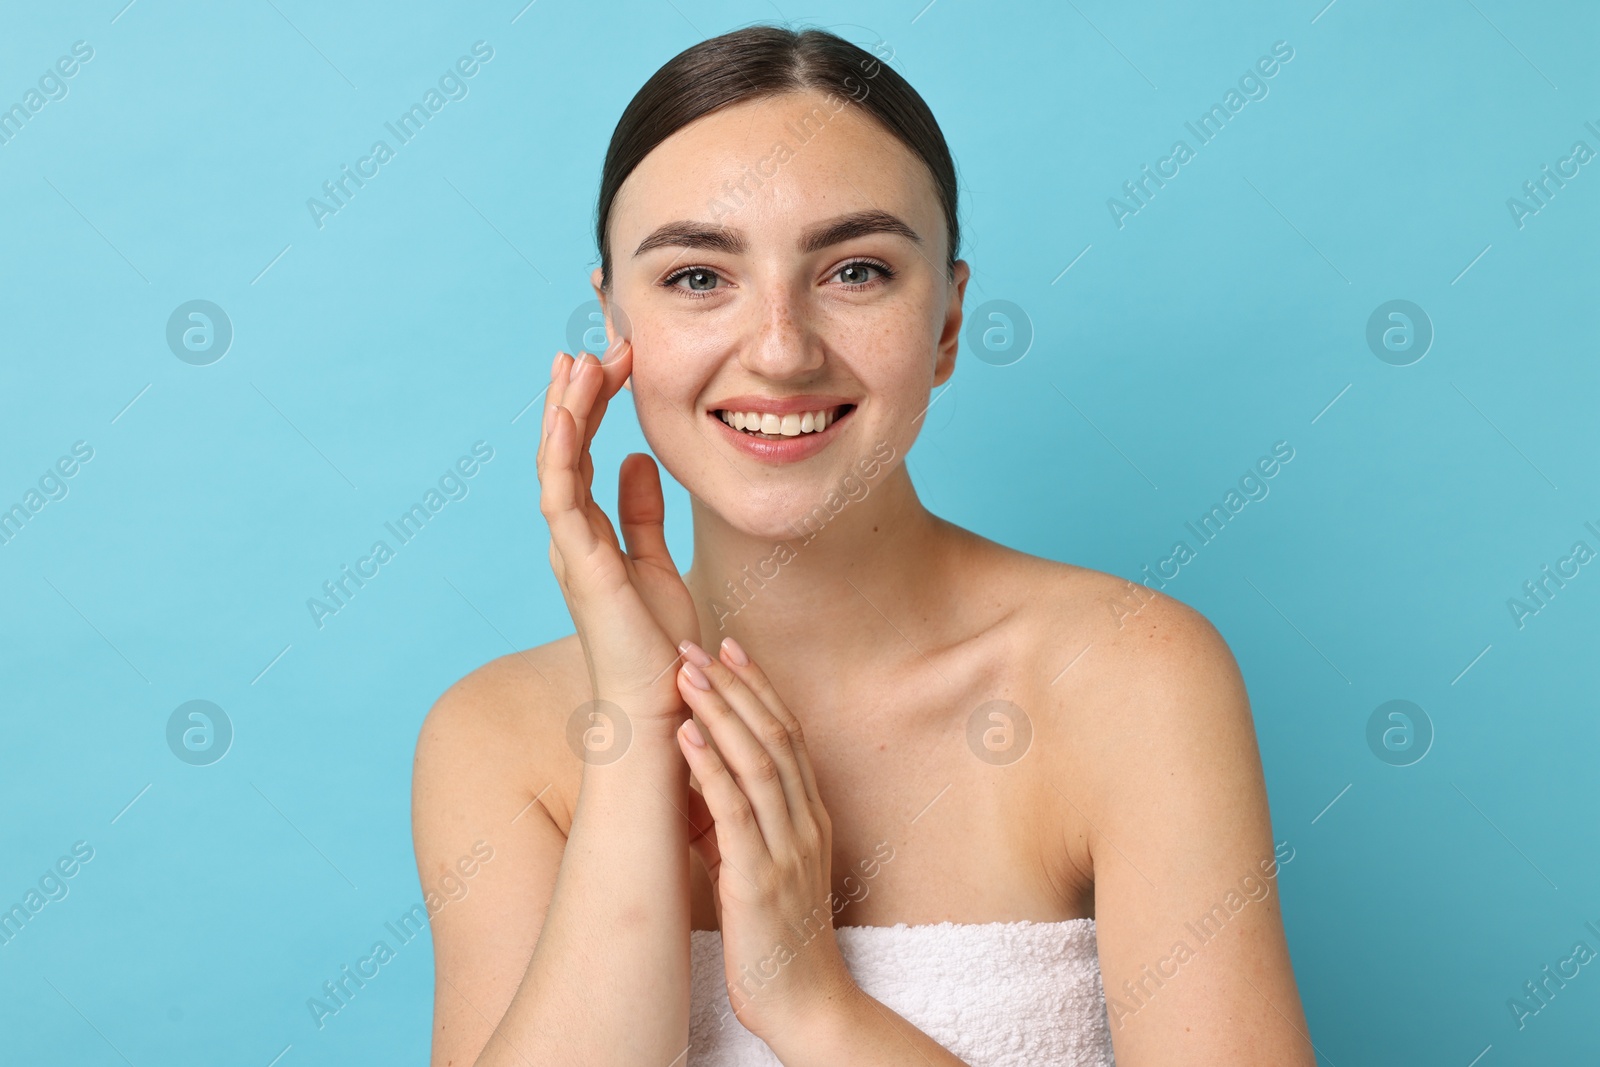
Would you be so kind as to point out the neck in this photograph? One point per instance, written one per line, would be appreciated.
(823, 595)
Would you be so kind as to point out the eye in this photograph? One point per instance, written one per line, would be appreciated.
(857, 274)
(702, 282)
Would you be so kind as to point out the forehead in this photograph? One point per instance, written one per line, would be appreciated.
(774, 165)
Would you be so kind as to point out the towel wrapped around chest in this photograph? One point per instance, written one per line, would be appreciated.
(1015, 994)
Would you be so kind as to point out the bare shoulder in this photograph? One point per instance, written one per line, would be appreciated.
(1119, 624)
(1141, 640)
(1121, 662)
(491, 783)
(1150, 708)
(1144, 710)
(496, 734)
(1148, 737)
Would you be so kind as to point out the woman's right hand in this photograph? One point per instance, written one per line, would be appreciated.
(631, 609)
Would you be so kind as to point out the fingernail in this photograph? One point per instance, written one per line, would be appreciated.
(697, 677)
(694, 653)
(692, 732)
(554, 363)
(549, 418)
(735, 653)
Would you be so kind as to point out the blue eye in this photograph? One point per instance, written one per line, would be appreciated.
(855, 275)
(701, 281)
(857, 272)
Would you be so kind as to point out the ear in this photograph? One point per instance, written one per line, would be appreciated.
(950, 335)
(605, 309)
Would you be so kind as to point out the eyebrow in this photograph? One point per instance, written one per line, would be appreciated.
(690, 234)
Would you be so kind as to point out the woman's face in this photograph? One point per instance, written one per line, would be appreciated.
(782, 256)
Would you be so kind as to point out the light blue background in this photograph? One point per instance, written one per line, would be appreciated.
(1228, 314)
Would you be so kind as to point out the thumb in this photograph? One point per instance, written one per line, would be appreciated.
(642, 511)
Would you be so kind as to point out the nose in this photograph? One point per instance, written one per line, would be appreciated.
(783, 343)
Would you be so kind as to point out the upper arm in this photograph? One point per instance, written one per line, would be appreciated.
(473, 810)
(1192, 950)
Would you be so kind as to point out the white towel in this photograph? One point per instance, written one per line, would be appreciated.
(1018, 994)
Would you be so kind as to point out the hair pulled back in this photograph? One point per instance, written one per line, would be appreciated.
(761, 61)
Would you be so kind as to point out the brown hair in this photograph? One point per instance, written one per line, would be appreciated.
(760, 61)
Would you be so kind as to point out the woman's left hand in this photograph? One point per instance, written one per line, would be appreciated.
(770, 858)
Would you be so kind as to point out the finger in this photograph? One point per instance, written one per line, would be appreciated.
(641, 511)
(559, 394)
(755, 679)
(752, 766)
(561, 377)
(562, 501)
(760, 743)
(737, 830)
(583, 389)
(771, 720)
(589, 379)
(552, 397)
(615, 367)
(567, 387)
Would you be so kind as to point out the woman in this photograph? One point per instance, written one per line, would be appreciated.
(1016, 778)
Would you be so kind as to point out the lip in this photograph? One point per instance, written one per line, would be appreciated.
(787, 449)
(785, 405)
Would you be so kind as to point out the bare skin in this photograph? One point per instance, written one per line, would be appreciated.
(1139, 799)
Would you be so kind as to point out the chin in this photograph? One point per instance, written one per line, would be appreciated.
(784, 519)
(792, 514)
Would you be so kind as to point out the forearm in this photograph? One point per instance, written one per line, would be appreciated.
(863, 1032)
(608, 982)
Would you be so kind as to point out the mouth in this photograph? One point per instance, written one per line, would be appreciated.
(771, 427)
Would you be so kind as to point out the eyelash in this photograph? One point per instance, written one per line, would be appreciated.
(671, 281)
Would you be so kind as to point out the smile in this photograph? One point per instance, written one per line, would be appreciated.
(782, 438)
(771, 427)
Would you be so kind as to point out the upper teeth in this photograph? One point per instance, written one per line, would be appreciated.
(791, 425)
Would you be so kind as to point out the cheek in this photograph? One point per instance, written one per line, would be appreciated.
(887, 352)
(893, 357)
(672, 362)
(670, 371)
(888, 346)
